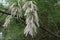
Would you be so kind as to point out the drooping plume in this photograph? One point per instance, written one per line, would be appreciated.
(16, 9)
(7, 21)
(31, 18)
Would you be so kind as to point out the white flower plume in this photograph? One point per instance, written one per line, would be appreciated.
(16, 9)
(31, 18)
(7, 21)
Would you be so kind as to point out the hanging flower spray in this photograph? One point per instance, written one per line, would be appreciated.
(30, 10)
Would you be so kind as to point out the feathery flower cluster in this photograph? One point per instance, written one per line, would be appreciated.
(31, 18)
(30, 13)
(7, 21)
(16, 10)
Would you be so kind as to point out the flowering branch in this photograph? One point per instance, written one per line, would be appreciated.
(31, 18)
(30, 10)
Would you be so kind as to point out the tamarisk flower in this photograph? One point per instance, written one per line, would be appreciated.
(16, 9)
(7, 21)
(31, 18)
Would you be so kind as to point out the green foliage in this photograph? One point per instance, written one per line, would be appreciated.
(15, 30)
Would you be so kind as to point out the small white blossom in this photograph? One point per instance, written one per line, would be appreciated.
(7, 21)
(16, 10)
(11, 6)
(24, 6)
